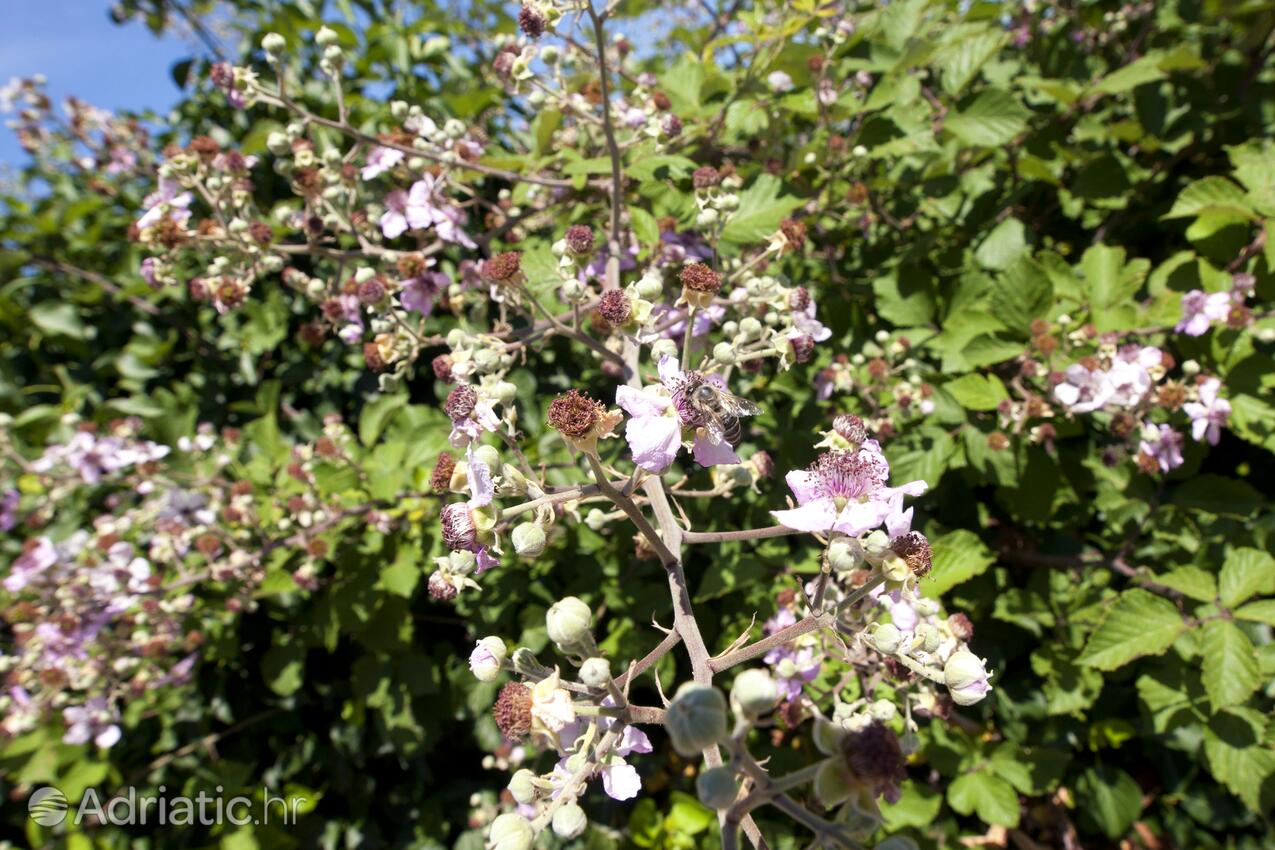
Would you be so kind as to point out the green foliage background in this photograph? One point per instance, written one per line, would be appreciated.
(1128, 618)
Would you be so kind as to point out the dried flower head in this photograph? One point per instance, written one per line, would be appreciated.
(531, 21)
(794, 233)
(441, 478)
(851, 428)
(441, 588)
(505, 267)
(371, 291)
(460, 401)
(874, 756)
(574, 414)
(513, 711)
(705, 177)
(372, 356)
(698, 277)
(614, 307)
(459, 531)
(579, 239)
(803, 348)
(915, 551)
(799, 299)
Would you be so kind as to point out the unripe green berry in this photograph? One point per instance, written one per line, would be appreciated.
(273, 43)
(326, 37)
(886, 638)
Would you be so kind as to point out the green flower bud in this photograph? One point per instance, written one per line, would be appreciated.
(926, 607)
(842, 556)
(886, 638)
(724, 353)
(707, 217)
(278, 143)
(749, 327)
(486, 659)
(525, 663)
(363, 274)
(650, 285)
(883, 710)
(754, 693)
(489, 456)
(966, 677)
(522, 787)
(398, 110)
(273, 43)
(569, 821)
(926, 637)
(663, 346)
(510, 831)
(595, 672)
(326, 37)
(696, 718)
(529, 539)
(717, 788)
(550, 54)
(569, 622)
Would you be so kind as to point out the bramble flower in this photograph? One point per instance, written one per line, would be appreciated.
(471, 414)
(796, 663)
(95, 457)
(380, 160)
(1201, 309)
(418, 293)
(168, 202)
(94, 720)
(1162, 445)
(659, 413)
(1209, 414)
(620, 780)
(421, 207)
(846, 492)
(779, 82)
(37, 556)
(551, 707)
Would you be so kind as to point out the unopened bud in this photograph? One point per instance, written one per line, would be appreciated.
(569, 821)
(486, 659)
(569, 622)
(966, 677)
(886, 638)
(510, 831)
(754, 693)
(717, 788)
(883, 710)
(595, 672)
(273, 43)
(522, 787)
(842, 556)
(528, 539)
(696, 718)
(326, 37)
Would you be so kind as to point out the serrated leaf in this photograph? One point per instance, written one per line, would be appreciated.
(1262, 611)
(1022, 294)
(1143, 70)
(1246, 573)
(1005, 244)
(376, 414)
(1218, 495)
(994, 118)
(1212, 195)
(645, 227)
(761, 208)
(1191, 581)
(958, 556)
(1137, 625)
(977, 392)
(960, 61)
(1239, 758)
(1229, 664)
(1109, 278)
(1110, 798)
(992, 797)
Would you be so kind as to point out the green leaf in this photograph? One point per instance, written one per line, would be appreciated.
(1230, 673)
(1262, 611)
(993, 119)
(1022, 294)
(992, 797)
(977, 392)
(645, 227)
(960, 61)
(1246, 573)
(58, 318)
(1218, 495)
(1239, 758)
(376, 415)
(1212, 195)
(1005, 244)
(1109, 798)
(918, 805)
(761, 208)
(1031, 770)
(1110, 280)
(958, 557)
(1143, 70)
(284, 668)
(1192, 581)
(1137, 625)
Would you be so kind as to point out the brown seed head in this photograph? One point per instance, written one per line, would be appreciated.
(574, 414)
(513, 711)
(914, 549)
(441, 478)
(460, 402)
(504, 267)
(698, 277)
(705, 177)
(614, 307)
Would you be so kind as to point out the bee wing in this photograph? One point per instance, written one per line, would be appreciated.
(713, 425)
(736, 406)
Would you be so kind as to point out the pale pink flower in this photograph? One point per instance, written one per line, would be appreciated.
(380, 160)
(1200, 309)
(1209, 414)
(659, 413)
(845, 492)
(1162, 443)
(166, 202)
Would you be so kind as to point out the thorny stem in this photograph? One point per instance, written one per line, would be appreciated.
(810, 623)
(631, 510)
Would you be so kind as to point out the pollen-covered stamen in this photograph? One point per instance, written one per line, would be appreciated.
(459, 532)
(847, 476)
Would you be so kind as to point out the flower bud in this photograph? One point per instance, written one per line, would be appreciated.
(486, 659)
(927, 637)
(966, 677)
(569, 622)
(886, 638)
(717, 788)
(696, 718)
(595, 672)
(749, 327)
(489, 456)
(278, 144)
(273, 43)
(724, 353)
(650, 285)
(842, 556)
(569, 821)
(525, 663)
(522, 787)
(529, 539)
(926, 607)
(754, 693)
(883, 710)
(326, 37)
(510, 831)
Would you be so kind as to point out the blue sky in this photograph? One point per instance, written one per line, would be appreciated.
(75, 44)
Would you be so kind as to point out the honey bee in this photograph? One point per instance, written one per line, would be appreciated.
(721, 412)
